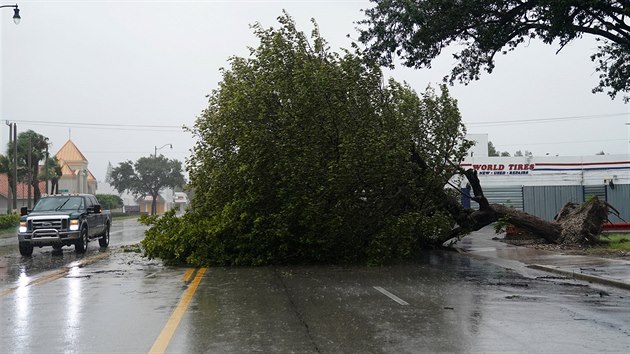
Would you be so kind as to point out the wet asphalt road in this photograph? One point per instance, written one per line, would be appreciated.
(113, 301)
(12, 265)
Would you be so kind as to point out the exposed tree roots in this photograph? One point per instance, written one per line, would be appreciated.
(574, 224)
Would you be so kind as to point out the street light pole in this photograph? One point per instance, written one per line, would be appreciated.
(16, 13)
(159, 148)
(12, 130)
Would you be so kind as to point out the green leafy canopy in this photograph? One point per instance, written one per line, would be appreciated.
(304, 156)
(147, 176)
(418, 31)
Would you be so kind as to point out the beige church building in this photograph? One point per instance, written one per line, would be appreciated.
(76, 177)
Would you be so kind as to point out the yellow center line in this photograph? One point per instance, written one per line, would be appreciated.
(186, 277)
(8, 291)
(50, 277)
(162, 341)
(60, 273)
(91, 260)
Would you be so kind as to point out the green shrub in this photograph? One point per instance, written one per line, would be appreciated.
(175, 239)
(109, 201)
(9, 220)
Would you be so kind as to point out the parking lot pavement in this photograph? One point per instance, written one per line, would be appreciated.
(605, 271)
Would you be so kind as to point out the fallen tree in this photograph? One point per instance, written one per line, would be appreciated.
(305, 156)
(574, 224)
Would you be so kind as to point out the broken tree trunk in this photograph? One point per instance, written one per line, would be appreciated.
(573, 225)
(582, 223)
(550, 231)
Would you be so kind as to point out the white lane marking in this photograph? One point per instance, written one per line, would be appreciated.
(391, 296)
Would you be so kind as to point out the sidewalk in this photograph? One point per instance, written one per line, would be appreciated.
(611, 272)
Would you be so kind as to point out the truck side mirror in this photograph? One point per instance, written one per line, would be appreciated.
(97, 209)
(23, 211)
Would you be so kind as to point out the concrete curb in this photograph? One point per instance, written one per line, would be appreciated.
(581, 276)
(551, 269)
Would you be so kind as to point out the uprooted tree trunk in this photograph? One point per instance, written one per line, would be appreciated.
(574, 224)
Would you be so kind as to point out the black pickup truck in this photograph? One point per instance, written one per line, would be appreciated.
(64, 220)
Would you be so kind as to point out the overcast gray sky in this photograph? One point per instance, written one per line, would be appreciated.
(152, 63)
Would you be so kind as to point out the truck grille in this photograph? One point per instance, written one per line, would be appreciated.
(57, 224)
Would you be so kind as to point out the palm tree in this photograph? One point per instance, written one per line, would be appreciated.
(29, 144)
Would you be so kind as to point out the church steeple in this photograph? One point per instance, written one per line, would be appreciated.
(75, 175)
(70, 153)
(108, 174)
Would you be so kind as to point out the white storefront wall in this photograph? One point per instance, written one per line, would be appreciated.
(550, 170)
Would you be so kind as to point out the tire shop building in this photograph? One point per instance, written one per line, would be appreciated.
(541, 185)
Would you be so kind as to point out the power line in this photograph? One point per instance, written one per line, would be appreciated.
(544, 120)
(560, 142)
(143, 127)
(180, 127)
(178, 152)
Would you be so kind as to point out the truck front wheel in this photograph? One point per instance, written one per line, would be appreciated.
(26, 249)
(81, 245)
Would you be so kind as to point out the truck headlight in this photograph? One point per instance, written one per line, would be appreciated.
(74, 225)
(22, 226)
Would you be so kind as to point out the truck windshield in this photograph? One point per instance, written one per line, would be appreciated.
(59, 203)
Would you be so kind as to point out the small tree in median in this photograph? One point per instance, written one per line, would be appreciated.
(147, 177)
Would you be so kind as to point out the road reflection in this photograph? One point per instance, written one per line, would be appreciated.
(74, 304)
(22, 309)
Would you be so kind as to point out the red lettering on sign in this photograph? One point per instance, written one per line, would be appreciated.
(502, 167)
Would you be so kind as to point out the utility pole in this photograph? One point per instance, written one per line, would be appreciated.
(15, 175)
(9, 198)
(46, 166)
(30, 170)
